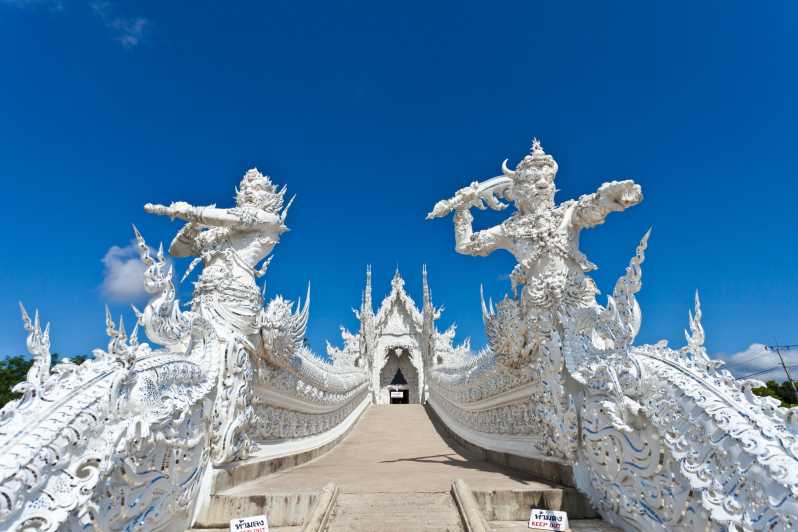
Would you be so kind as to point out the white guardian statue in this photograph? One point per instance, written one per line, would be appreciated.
(659, 439)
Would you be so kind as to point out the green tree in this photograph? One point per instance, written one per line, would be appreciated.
(780, 390)
(14, 370)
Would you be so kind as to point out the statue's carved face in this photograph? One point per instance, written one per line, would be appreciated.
(257, 190)
(534, 187)
(251, 197)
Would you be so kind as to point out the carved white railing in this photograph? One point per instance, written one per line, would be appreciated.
(128, 439)
(659, 439)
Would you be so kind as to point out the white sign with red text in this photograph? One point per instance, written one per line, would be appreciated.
(256, 523)
(548, 520)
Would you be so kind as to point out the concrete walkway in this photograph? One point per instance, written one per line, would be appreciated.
(393, 449)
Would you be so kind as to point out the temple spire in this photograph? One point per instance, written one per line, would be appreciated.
(366, 303)
(427, 291)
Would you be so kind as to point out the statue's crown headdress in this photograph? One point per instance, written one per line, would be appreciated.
(257, 190)
(538, 161)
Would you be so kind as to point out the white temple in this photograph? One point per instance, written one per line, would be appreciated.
(171, 433)
(398, 344)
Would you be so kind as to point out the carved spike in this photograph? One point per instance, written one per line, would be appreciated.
(121, 333)
(262, 271)
(190, 268)
(137, 313)
(485, 314)
(306, 310)
(697, 308)
(134, 335)
(284, 214)
(25, 318)
(695, 338)
(37, 330)
(160, 252)
(109, 323)
(144, 249)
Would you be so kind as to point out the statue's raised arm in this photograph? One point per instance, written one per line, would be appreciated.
(477, 194)
(212, 216)
(615, 196)
(258, 212)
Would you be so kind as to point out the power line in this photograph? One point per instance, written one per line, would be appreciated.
(768, 351)
(760, 372)
(746, 361)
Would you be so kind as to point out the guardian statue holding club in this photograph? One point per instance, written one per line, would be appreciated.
(542, 236)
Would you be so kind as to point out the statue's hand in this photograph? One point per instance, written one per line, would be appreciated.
(463, 199)
(469, 197)
(174, 210)
(181, 208)
(620, 194)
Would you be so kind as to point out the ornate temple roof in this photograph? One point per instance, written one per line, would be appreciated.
(396, 304)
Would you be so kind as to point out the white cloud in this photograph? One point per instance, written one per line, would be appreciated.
(756, 358)
(55, 5)
(128, 31)
(123, 279)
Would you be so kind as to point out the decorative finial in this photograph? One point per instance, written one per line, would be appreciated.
(397, 281)
(537, 149)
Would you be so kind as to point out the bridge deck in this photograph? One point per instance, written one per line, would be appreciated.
(393, 448)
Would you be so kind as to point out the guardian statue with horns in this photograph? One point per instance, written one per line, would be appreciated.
(542, 236)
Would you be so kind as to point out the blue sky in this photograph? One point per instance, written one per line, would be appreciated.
(371, 112)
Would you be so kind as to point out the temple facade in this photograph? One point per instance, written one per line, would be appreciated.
(398, 344)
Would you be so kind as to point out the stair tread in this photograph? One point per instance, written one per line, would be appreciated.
(428, 512)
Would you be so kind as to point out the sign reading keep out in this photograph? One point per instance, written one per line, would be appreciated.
(256, 523)
(548, 520)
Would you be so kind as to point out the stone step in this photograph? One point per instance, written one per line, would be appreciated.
(370, 512)
(271, 529)
(515, 505)
(577, 525)
(284, 510)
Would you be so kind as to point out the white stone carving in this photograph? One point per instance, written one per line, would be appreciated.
(124, 440)
(659, 439)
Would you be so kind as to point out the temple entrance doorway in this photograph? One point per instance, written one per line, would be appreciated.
(398, 389)
(398, 379)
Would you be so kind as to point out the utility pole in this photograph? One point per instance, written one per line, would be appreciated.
(777, 349)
